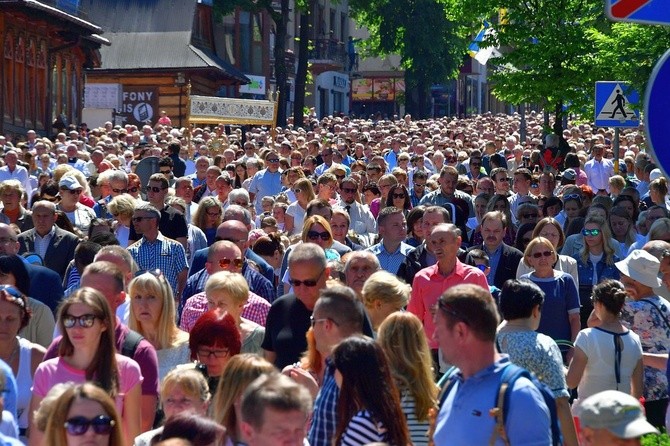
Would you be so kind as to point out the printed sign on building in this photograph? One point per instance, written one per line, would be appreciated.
(139, 106)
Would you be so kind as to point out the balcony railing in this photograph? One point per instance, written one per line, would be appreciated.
(329, 50)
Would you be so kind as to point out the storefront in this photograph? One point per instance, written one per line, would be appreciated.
(332, 93)
(377, 95)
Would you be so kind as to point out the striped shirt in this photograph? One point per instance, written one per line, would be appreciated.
(42, 243)
(418, 430)
(362, 429)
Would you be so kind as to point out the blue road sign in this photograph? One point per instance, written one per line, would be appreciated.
(656, 109)
(615, 102)
(652, 12)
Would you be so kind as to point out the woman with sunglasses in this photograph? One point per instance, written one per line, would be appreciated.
(214, 339)
(551, 229)
(295, 213)
(84, 415)
(609, 356)
(153, 315)
(595, 262)
(398, 196)
(208, 217)
(134, 185)
(560, 312)
(87, 352)
(70, 192)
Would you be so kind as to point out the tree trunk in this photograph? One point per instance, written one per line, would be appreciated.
(301, 74)
(280, 61)
(558, 123)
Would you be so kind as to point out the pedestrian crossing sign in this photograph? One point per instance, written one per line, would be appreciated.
(616, 104)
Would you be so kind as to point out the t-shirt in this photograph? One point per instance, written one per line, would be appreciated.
(362, 429)
(56, 370)
(285, 329)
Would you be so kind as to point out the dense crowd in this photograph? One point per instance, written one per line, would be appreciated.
(352, 282)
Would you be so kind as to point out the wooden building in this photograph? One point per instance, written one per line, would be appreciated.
(45, 52)
(158, 47)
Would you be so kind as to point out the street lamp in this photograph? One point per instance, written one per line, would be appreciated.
(180, 82)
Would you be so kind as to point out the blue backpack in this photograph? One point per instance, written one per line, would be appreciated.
(510, 374)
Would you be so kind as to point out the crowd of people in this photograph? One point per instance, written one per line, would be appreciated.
(352, 282)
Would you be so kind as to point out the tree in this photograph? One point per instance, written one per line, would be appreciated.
(547, 53)
(431, 47)
(303, 55)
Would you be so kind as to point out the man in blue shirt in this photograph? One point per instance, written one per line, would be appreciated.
(267, 182)
(465, 320)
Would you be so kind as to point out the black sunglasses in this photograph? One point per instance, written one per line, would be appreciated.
(102, 425)
(314, 235)
(155, 189)
(84, 321)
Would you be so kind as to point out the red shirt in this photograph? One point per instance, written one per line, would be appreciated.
(428, 286)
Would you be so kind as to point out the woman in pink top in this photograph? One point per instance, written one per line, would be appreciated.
(87, 353)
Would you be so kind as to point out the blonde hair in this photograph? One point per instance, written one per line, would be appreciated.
(200, 215)
(233, 284)
(386, 287)
(539, 241)
(606, 235)
(189, 379)
(305, 185)
(168, 334)
(240, 371)
(403, 339)
(123, 204)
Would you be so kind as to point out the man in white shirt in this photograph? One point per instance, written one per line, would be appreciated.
(599, 170)
(12, 171)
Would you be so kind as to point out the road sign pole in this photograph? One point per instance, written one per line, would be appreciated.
(615, 148)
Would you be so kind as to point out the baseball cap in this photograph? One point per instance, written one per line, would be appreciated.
(619, 413)
(69, 182)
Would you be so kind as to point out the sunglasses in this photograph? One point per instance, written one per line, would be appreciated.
(132, 190)
(590, 232)
(297, 191)
(314, 235)
(308, 283)
(504, 180)
(226, 262)
(273, 160)
(166, 172)
(399, 196)
(537, 255)
(572, 197)
(529, 215)
(348, 190)
(73, 192)
(482, 268)
(419, 185)
(102, 425)
(84, 321)
(155, 189)
(120, 191)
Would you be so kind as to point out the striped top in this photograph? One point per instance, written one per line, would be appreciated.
(418, 430)
(362, 429)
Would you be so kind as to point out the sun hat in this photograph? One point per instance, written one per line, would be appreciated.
(641, 267)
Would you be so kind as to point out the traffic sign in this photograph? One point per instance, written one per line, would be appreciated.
(615, 103)
(653, 12)
(656, 108)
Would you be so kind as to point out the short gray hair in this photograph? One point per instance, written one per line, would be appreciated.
(307, 253)
(146, 207)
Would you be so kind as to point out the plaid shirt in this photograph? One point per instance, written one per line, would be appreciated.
(256, 310)
(164, 254)
(324, 417)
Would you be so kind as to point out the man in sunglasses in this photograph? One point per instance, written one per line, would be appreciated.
(267, 182)
(156, 251)
(112, 184)
(289, 317)
(501, 181)
(362, 221)
(222, 256)
(172, 223)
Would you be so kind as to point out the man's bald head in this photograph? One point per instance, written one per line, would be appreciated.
(234, 231)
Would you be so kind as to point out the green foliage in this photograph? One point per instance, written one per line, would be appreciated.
(656, 440)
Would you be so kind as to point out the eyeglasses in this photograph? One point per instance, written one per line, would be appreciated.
(399, 196)
(73, 192)
(504, 180)
(213, 214)
(139, 219)
(102, 425)
(419, 185)
(226, 262)
(590, 232)
(314, 235)
(340, 177)
(348, 190)
(155, 189)
(272, 160)
(132, 190)
(120, 191)
(84, 321)
(537, 255)
(166, 172)
(529, 215)
(308, 283)
(206, 353)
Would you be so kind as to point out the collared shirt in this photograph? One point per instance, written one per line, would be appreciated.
(263, 184)
(464, 417)
(437, 198)
(428, 286)
(391, 261)
(164, 254)
(413, 198)
(362, 220)
(324, 417)
(494, 260)
(256, 310)
(19, 173)
(599, 173)
(42, 243)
